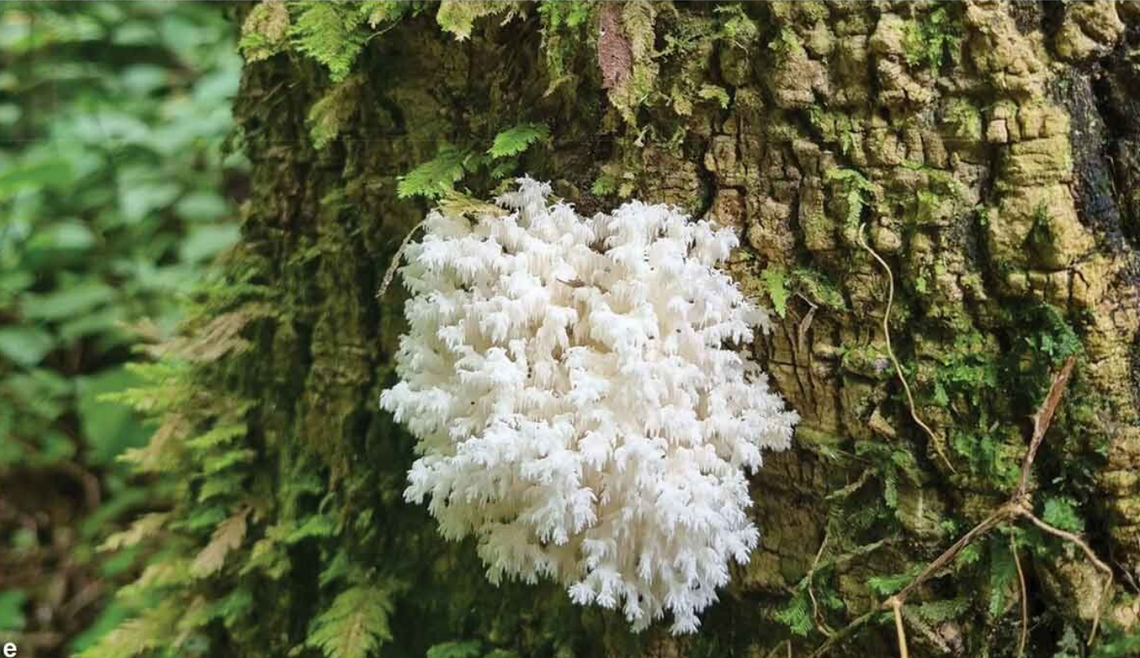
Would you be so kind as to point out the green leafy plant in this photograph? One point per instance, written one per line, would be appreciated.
(776, 282)
(517, 139)
(112, 172)
(928, 41)
(329, 33)
(859, 192)
(355, 625)
(437, 177)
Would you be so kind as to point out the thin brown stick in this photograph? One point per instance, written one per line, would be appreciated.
(818, 618)
(1024, 600)
(891, 353)
(1041, 421)
(395, 265)
(900, 629)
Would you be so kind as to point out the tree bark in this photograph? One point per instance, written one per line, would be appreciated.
(985, 150)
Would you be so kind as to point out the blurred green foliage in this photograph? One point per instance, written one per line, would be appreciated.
(115, 192)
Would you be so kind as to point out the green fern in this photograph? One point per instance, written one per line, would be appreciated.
(204, 517)
(435, 177)
(926, 43)
(860, 192)
(317, 525)
(891, 583)
(218, 436)
(796, 615)
(604, 185)
(138, 635)
(222, 484)
(389, 11)
(715, 93)
(971, 554)
(1117, 643)
(776, 282)
(228, 459)
(1003, 571)
(518, 139)
(937, 612)
(458, 16)
(329, 33)
(818, 288)
(1061, 512)
(355, 625)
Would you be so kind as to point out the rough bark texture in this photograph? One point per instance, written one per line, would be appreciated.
(991, 152)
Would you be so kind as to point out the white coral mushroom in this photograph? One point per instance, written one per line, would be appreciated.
(575, 404)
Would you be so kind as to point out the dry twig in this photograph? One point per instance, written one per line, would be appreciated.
(1024, 599)
(897, 605)
(396, 258)
(811, 594)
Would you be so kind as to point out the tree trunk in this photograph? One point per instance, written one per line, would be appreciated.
(986, 151)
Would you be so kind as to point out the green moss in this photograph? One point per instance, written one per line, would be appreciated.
(817, 287)
(787, 44)
(965, 118)
(332, 111)
(869, 360)
(839, 128)
(931, 39)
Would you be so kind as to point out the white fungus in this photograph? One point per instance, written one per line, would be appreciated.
(579, 406)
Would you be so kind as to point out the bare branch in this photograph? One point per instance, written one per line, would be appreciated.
(1024, 600)
(1041, 421)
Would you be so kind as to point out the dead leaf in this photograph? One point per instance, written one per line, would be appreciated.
(227, 536)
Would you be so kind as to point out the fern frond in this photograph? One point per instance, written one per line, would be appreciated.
(435, 177)
(355, 625)
(329, 33)
(220, 435)
(458, 16)
(227, 536)
(137, 635)
(776, 283)
(146, 526)
(517, 139)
